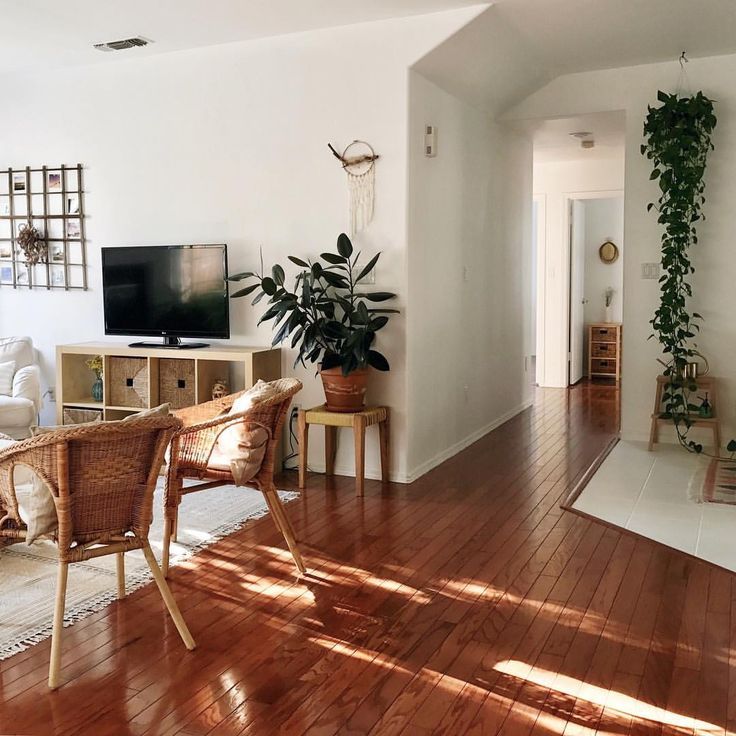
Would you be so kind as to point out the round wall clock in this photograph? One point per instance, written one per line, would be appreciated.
(608, 252)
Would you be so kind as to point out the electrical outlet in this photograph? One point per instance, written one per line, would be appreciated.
(51, 393)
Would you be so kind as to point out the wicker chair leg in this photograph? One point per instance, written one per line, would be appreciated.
(284, 525)
(120, 559)
(55, 664)
(169, 600)
(166, 547)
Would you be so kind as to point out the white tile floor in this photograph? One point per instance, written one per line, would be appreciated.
(649, 493)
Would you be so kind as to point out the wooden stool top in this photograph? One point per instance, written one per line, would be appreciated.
(320, 415)
(701, 381)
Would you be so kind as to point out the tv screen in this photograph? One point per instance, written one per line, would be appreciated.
(170, 291)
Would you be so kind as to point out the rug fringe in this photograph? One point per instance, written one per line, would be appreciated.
(133, 582)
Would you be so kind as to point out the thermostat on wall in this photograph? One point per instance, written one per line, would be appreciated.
(430, 141)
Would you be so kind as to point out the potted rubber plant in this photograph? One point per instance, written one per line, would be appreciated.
(328, 317)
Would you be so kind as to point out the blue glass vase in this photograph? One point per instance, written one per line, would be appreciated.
(97, 390)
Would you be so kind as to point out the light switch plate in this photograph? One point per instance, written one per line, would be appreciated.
(650, 270)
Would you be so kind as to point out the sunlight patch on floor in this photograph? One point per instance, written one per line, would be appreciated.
(610, 699)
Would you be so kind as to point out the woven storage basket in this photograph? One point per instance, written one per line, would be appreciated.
(128, 382)
(176, 382)
(81, 416)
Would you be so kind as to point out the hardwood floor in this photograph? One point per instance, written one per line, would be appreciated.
(468, 602)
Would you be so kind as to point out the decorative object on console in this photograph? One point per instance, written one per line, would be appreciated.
(359, 162)
(42, 238)
(608, 298)
(96, 365)
(220, 389)
(328, 317)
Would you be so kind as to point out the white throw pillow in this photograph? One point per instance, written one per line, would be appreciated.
(7, 371)
(242, 447)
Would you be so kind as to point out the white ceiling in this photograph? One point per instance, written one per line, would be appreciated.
(517, 46)
(583, 35)
(552, 140)
(39, 34)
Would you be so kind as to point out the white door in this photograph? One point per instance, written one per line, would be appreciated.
(577, 289)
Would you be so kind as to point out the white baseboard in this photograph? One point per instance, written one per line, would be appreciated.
(440, 457)
(425, 467)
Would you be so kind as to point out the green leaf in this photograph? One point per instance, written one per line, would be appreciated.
(333, 258)
(731, 446)
(269, 286)
(334, 279)
(367, 268)
(377, 296)
(278, 274)
(377, 360)
(331, 360)
(241, 276)
(298, 261)
(344, 246)
(244, 292)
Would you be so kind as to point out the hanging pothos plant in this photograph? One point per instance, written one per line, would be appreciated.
(678, 140)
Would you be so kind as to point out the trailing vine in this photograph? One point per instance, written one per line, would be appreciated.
(678, 140)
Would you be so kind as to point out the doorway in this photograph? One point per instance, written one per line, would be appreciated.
(595, 294)
(578, 172)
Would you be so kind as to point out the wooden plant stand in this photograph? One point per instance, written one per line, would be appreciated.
(704, 383)
(331, 420)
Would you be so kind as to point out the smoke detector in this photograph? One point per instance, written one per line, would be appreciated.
(126, 43)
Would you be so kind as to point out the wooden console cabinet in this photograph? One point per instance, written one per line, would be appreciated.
(139, 378)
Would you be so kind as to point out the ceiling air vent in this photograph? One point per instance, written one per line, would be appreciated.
(126, 43)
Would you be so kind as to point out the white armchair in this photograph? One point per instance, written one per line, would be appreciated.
(19, 411)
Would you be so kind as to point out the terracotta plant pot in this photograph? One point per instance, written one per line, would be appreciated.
(344, 393)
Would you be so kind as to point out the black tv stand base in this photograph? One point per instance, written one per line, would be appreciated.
(170, 343)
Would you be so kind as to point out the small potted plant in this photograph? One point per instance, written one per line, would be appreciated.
(96, 366)
(328, 318)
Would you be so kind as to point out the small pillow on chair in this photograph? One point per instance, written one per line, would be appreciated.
(35, 502)
(157, 411)
(242, 447)
(244, 459)
(7, 371)
(42, 519)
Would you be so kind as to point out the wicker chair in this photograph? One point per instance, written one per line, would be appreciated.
(102, 478)
(192, 447)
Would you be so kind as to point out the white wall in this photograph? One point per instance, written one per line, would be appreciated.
(229, 144)
(554, 183)
(604, 220)
(632, 89)
(469, 318)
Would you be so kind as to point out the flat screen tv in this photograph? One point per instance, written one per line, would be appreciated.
(167, 291)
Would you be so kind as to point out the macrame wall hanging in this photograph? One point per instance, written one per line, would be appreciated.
(359, 162)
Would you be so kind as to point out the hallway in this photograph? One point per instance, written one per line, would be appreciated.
(467, 602)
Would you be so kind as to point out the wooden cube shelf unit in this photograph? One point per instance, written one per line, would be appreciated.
(604, 350)
(140, 378)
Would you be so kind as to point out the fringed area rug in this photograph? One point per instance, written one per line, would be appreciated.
(28, 573)
(719, 483)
